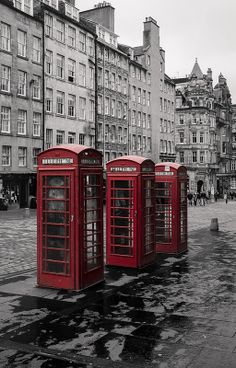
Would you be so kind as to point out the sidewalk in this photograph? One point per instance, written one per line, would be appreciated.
(179, 313)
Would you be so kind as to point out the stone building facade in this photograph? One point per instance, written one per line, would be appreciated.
(203, 121)
(21, 99)
(69, 71)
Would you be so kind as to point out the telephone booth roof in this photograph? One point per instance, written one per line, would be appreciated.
(130, 163)
(133, 158)
(172, 165)
(77, 151)
(76, 148)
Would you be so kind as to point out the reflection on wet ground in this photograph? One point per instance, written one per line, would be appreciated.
(166, 318)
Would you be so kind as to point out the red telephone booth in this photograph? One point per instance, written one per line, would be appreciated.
(130, 240)
(70, 217)
(171, 208)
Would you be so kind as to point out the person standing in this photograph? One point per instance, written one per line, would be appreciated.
(226, 197)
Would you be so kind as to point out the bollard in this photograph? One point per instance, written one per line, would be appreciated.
(214, 224)
(27, 212)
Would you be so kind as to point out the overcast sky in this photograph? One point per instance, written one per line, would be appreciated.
(189, 29)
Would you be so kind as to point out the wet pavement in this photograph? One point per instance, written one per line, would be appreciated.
(179, 313)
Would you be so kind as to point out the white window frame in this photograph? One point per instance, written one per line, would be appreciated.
(36, 87)
(82, 74)
(82, 41)
(60, 66)
(60, 103)
(60, 137)
(21, 122)
(49, 100)
(49, 62)
(36, 53)
(5, 119)
(5, 78)
(82, 108)
(5, 36)
(22, 80)
(36, 124)
(60, 29)
(6, 155)
(71, 36)
(21, 43)
(71, 70)
(48, 25)
(71, 105)
(22, 156)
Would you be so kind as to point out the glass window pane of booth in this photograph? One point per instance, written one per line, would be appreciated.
(163, 212)
(56, 224)
(122, 209)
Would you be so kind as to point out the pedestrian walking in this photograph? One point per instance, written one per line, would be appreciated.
(190, 198)
(195, 199)
(226, 198)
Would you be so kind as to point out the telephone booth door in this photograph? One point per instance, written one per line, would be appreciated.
(56, 229)
(92, 226)
(122, 221)
(164, 213)
(171, 208)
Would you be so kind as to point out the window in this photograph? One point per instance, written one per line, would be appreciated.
(138, 74)
(90, 46)
(36, 87)
(49, 103)
(36, 124)
(133, 117)
(60, 66)
(181, 137)
(71, 70)
(120, 134)
(139, 95)
(144, 98)
(149, 99)
(60, 102)
(133, 93)
(91, 110)
(21, 43)
(49, 138)
(5, 119)
(149, 144)
(134, 142)
(82, 108)
(148, 60)
(6, 155)
(144, 120)
(144, 143)
(99, 76)
(149, 79)
(91, 77)
(60, 137)
(48, 25)
(21, 88)
(139, 119)
(119, 109)
(22, 156)
(82, 74)
(36, 55)
(119, 83)
(5, 78)
(202, 155)
(71, 105)
(71, 137)
(18, 4)
(125, 136)
(81, 139)
(48, 61)
(21, 122)
(113, 81)
(181, 157)
(5, 37)
(194, 137)
(82, 42)
(106, 77)
(107, 102)
(194, 156)
(113, 104)
(125, 86)
(60, 31)
(139, 146)
(71, 36)
(161, 104)
(35, 152)
(201, 137)
(100, 104)
(27, 6)
(149, 123)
